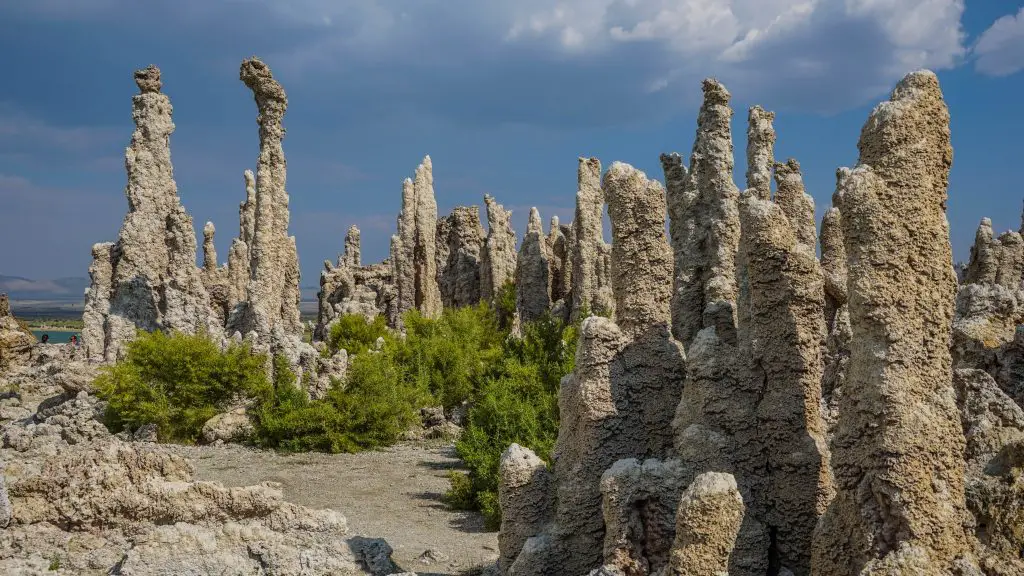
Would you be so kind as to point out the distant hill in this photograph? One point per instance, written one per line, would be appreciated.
(67, 289)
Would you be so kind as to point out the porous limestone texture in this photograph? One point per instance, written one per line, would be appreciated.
(97, 300)
(591, 285)
(460, 239)
(760, 151)
(88, 503)
(707, 522)
(993, 260)
(837, 314)
(365, 290)
(796, 203)
(524, 492)
(352, 256)
(216, 278)
(619, 400)
(703, 206)
(533, 272)
(498, 255)
(272, 292)
(559, 267)
(16, 341)
(239, 256)
(901, 287)
(787, 334)
(993, 426)
(153, 279)
(414, 248)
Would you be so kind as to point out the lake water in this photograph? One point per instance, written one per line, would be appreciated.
(57, 336)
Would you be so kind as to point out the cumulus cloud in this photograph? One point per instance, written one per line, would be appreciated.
(1000, 49)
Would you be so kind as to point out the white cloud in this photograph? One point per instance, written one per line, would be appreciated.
(1000, 49)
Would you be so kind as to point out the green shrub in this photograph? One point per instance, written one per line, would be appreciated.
(520, 405)
(178, 382)
(453, 355)
(355, 333)
(505, 304)
(372, 408)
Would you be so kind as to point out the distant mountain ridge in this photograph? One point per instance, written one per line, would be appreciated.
(69, 289)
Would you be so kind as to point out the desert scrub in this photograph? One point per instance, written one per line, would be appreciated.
(178, 382)
(355, 333)
(518, 404)
(370, 409)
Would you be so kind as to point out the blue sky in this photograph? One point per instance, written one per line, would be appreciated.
(503, 96)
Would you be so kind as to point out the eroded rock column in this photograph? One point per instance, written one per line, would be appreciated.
(498, 256)
(459, 269)
(898, 451)
(533, 279)
(590, 290)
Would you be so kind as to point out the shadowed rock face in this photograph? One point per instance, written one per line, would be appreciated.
(533, 272)
(498, 255)
(414, 248)
(705, 225)
(352, 255)
(149, 280)
(460, 239)
(708, 520)
(16, 344)
(591, 290)
(901, 287)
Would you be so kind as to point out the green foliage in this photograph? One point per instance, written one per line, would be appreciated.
(371, 409)
(178, 382)
(452, 356)
(518, 405)
(505, 304)
(355, 333)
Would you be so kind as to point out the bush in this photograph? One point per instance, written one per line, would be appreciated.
(371, 409)
(520, 405)
(355, 333)
(178, 382)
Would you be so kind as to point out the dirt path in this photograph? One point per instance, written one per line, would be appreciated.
(393, 494)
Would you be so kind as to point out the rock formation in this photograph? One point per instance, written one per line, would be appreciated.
(591, 287)
(533, 272)
(16, 340)
(703, 206)
(239, 257)
(908, 506)
(153, 282)
(997, 261)
(628, 377)
(709, 517)
(559, 266)
(216, 278)
(498, 256)
(837, 315)
(352, 256)
(460, 239)
(414, 248)
(760, 152)
(272, 292)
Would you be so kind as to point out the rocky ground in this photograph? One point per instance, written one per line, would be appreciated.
(394, 494)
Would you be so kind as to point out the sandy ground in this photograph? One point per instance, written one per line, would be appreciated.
(393, 494)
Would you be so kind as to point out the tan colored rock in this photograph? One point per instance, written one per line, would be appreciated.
(459, 243)
(797, 204)
(760, 151)
(16, 340)
(901, 292)
(560, 269)
(154, 282)
(498, 255)
(352, 255)
(216, 278)
(428, 295)
(708, 520)
(533, 279)
(97, 300)
(239, 256)
(787, 335)
(837, 314)
(997, 261)
(525, 493)
(590, 286)
(272, 293)
(703, 200)
(403, 247)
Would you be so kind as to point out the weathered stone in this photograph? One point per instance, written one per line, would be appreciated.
(533, 280)
(216, 278)
(428, 295)
(796, 204)
(16, 340)
(760, 151)
(498, 256)
(703, 206)
(233, 426)
(591, 290)
(525, 493)
(901, 292)
(707, 522)
(559, 267)
(352, 256)
(97, 300)
(153, 279)
(459, 242)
